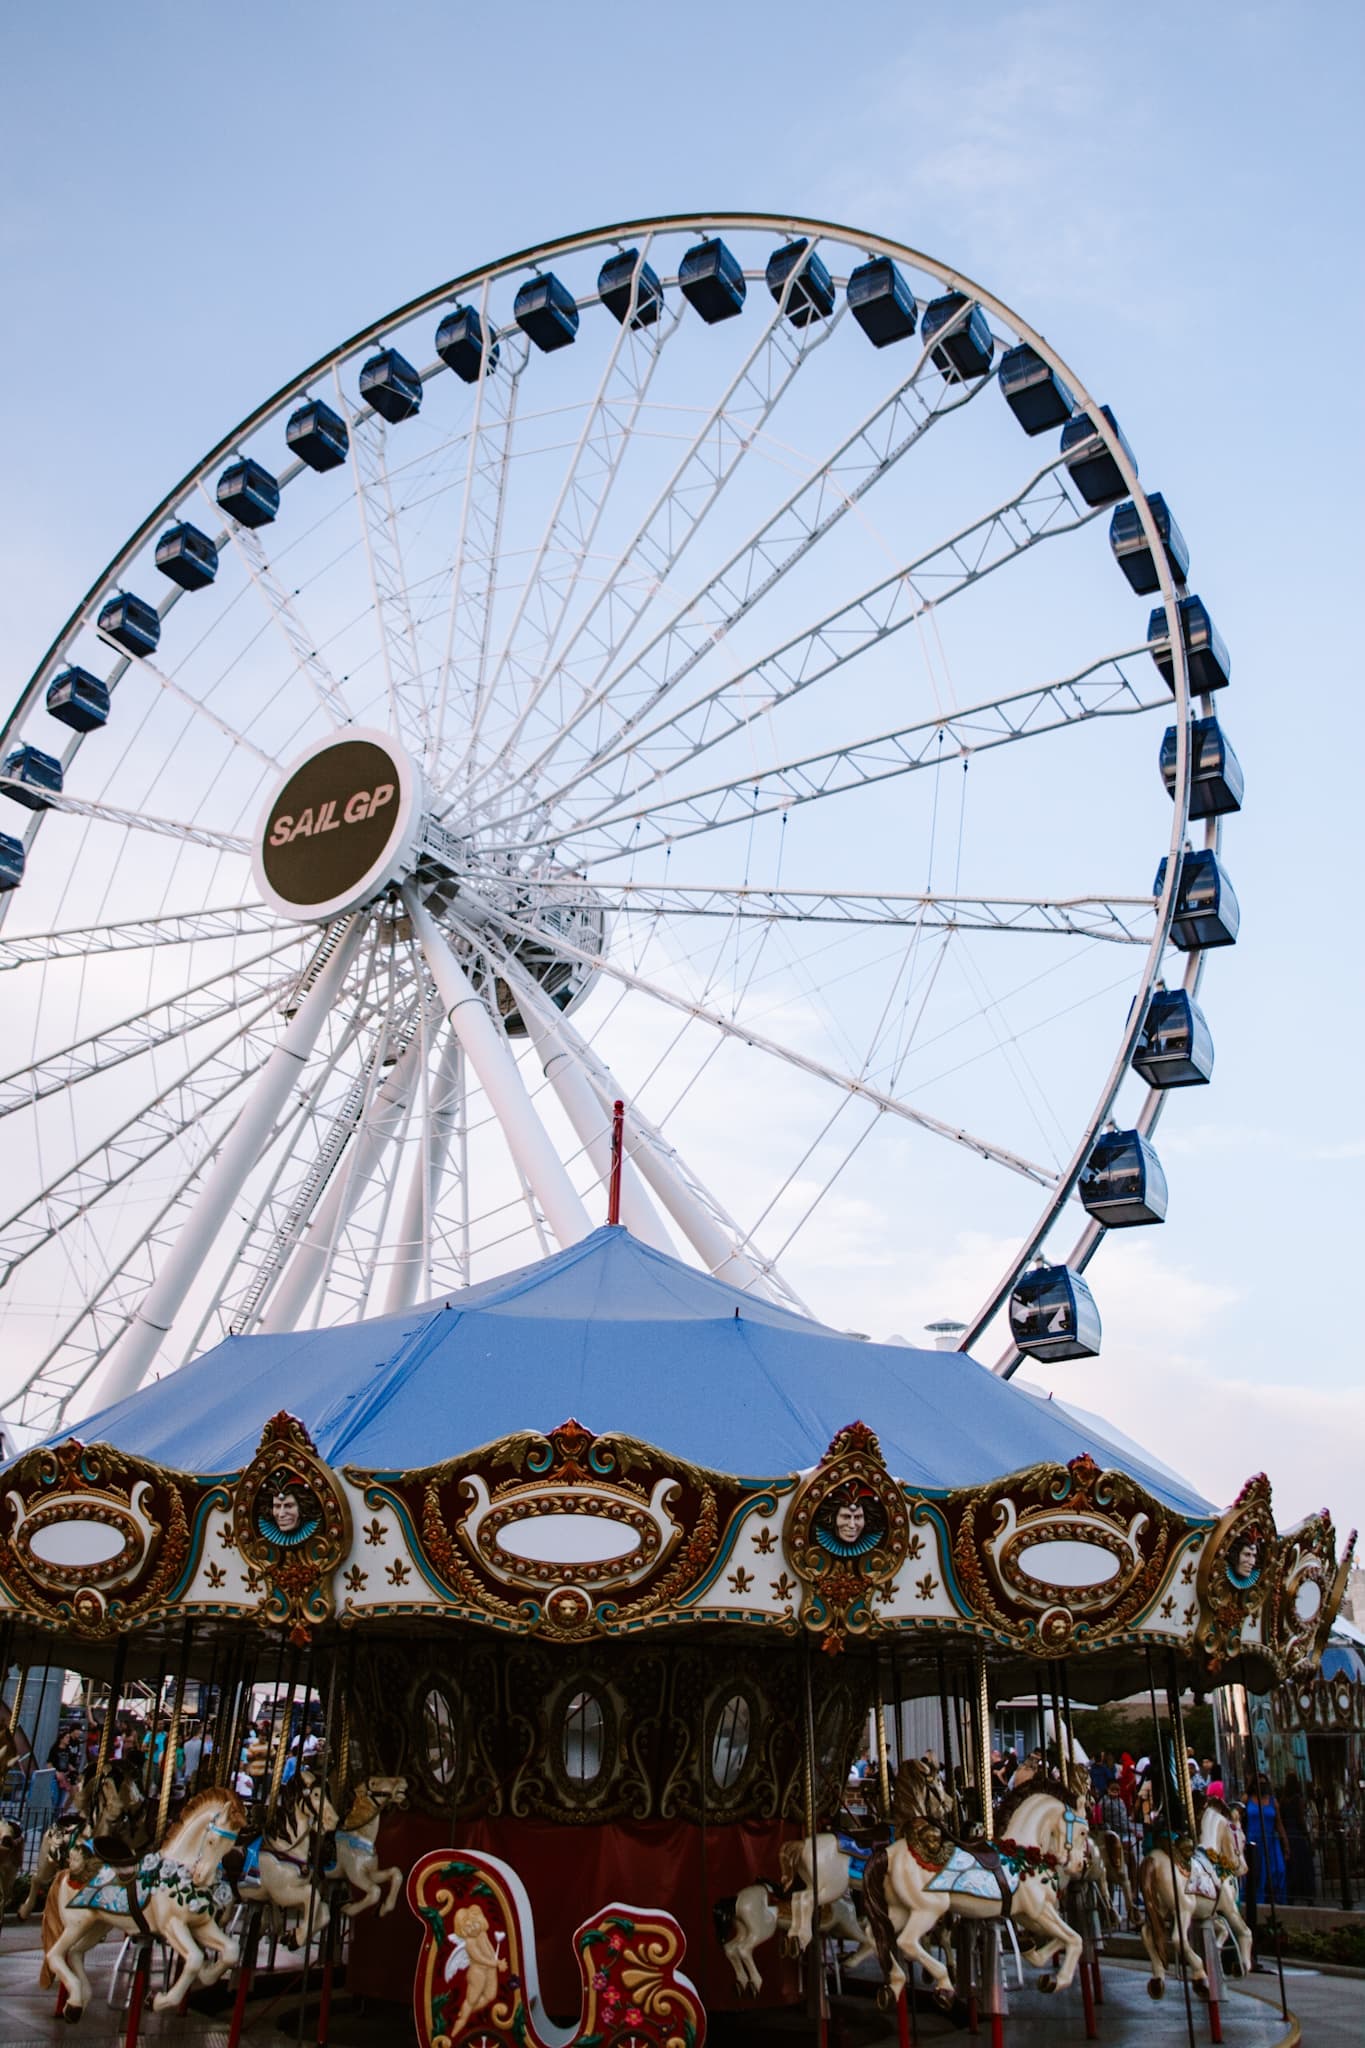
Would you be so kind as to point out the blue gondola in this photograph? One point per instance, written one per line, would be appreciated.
(1132, 553)
(810, 294)
(1175, 1046)
(1216, 779)
(79, 700)
(462, 346)
(1206, 908)
(1053, 1314)
(248, 493)
(616, 280)
(187, 556)
(1122, 1184)
(31, 777)
(1034, 393)
(711, 280)
(1089, 463)
(881, 302)
(318, 436)
(389, 383)
(11, 861)
(131, 623)
(1210, 664)
(970, 349)
(547, 311)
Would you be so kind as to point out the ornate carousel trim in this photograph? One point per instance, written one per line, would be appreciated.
(569, 1536)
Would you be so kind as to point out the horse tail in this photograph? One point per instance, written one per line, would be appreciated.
(1149, 1886)
(875, 1910)
(723, 1915)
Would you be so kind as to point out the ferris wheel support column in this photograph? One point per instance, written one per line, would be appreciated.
(583, 1107)
(133, 1355)
(657, 1161)
(414, 1235)
(527, 1138)
(349, 1182)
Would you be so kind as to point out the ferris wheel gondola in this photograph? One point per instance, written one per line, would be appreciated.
(665, 571)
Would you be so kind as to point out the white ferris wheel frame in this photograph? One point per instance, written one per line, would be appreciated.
(656, 1178)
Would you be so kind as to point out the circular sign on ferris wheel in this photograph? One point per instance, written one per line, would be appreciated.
(340, 827)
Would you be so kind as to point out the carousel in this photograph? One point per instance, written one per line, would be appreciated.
(430, 823)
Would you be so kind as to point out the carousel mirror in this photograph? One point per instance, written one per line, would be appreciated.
(1307, 1599)
(76, 1542)
(440, 1736)
(1061, 1561)
(582, 1738)
(730, 1743)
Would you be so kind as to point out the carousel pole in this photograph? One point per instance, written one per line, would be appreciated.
(945, 1729)
(884, 1793)
(239, 1719)
(110, 1713)
(703, 1777)
(907, 2024)
(817, 1945)
(163, 1807)
(316, 1873)
(1089, 1969)
(207, 1691)
(1177, 1890)
(991, 1975)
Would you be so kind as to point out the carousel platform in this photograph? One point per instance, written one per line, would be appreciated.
(1332, 2013)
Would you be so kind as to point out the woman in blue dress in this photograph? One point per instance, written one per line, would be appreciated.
(1265, 1832)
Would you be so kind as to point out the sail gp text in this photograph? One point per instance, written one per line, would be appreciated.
(309, 823)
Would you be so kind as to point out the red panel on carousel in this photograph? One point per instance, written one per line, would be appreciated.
(477, 1986)
(563, 1869)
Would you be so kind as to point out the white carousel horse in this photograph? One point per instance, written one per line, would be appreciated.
(1207, 1890)
(907, 1890)
(174, 1895)
(283, 1875)
(356, 1858)
(761, 1910)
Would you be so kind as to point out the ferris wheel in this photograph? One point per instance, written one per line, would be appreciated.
(700, 664)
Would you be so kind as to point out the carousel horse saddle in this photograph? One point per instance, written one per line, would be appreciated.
(1204, 1881)
(979, 1873)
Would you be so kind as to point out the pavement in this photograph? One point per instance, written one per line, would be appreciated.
(1330, 2010)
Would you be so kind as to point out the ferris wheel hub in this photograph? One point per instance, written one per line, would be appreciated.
(341, 826)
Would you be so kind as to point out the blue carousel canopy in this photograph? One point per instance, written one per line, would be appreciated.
(621, 1337)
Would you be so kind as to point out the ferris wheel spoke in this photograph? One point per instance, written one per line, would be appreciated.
(219, 995)
(478, 544)
(137, 934)
(548, 591)
(724, 437)
(1121, 920)
(1119, 686)
(851, 1084)
(755, 570)
(142, 821)
(191, 1099)
(141, 666)
(303, 650)
(1041, 511)
(401, 656)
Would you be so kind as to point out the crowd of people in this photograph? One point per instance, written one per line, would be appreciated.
(132, 1738)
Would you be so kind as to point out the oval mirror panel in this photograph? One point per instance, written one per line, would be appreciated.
(76, 1542)
(730, 1744)
(1307, 1599)
(568, 1539)
(1063, 1563)
(581, 1739)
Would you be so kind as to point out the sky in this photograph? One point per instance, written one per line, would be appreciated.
(194, 204)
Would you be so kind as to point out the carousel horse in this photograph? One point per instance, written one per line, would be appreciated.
(280, 1863)
(1206, 1890)
(11, 1861)
(174, 1895)
(911, 1886)
(1117, 1875)
(477, 1977)
(356, 1857)
(108, 1823)
(763, 1909)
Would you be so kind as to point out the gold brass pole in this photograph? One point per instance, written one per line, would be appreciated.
(163, 1804)
(883, 1762)
(983, 1711)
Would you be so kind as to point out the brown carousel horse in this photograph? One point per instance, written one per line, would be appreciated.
(1202, 1887)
